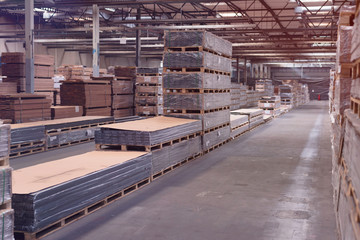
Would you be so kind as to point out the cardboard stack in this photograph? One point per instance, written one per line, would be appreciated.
(14, 68)
(123, 91)
(7, 219)
(197, 67)
(23, 107)
(93, 96)
(149, 92)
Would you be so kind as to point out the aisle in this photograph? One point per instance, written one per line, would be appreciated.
(271, 183)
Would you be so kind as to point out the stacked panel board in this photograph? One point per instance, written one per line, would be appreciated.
(7, 213)
(93, 96)
(238, 96)
(255, 116)
(170, 140)
(286, 95)
(196, 79)
(265, 86)
(149, 92)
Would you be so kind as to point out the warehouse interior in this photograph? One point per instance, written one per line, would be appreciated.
(179, 119)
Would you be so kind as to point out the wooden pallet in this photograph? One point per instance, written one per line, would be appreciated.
(149, 84)
(125, 78)
(155, 147)
(27, 152)
(148, 74)
(26, 144)
(240, 126)
(173, 167)
(216, 128)
(194, 90)
(148, 94)
(193, 49)
(4, 161)
(187, 111)
(216, 146)
(195, 70)
(70, 143)
(80, 214)
(355, 106)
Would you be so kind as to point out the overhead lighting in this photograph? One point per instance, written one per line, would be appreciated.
(89, 40)
(110, 9)
(310, 1)
(315, 8)
(214, 4)
(230, 14)
(217, 26)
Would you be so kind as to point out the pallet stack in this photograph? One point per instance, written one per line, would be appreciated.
(255, 116)
(122, 99)
(253, 97)
(14, 68)
(93, 96)
(265, 86)
(286, 95)
(345, 122)
(304, 95)
(239, 124)
(197, 67)
(7, 213)
(149, 92)
(270, 105)
(235, 93)
(24, 107)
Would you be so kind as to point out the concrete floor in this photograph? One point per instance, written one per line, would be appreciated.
(271, 183)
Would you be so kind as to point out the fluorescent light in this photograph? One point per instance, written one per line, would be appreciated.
(110, 9)
(309, 1)
(230, 14)
(315, 8)
(214, 4)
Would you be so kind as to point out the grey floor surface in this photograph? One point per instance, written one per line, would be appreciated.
(271, 183)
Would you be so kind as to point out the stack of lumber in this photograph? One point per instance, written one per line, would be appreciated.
(23, 107)
(148, 92)
(8, 88)
(252, 98)
(286, 95)
(239, 124)
(44, 196)
(58, 112)
(170, 140)
(197, 67)
(235, 94)
(93, 95)
(296, 91)
(123, 91)
(265, 86)
(270, 105)
(14, 68)
(255, 116)
(7, 219)
(345, 122)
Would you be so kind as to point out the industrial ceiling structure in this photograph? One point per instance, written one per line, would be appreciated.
(260, 30)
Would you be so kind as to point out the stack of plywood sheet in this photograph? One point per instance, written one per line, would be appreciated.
(243, 96)
(270, 105)
(239, 124)
(8, 88)
(23, 107)
(265, 86)
(235, 93)
(58, 112)
(149, 92)
(93, 96)
(255, 116)
(7, 219)
(286, 95)
(14, 68)
(197, 66)
(170, 140)
(128, 72)
(295, 91)
(252, 98)
(49, 195)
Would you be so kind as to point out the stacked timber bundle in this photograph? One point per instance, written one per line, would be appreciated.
(58, 112)
(252, 98)
(286, 95)
(197, 66)
(44, 198)
(94, 96)
(7, 219)
(295, 90)
(14, 68)
(270, 105)
(149, 92)
(243, 96)
(255, 116)
(8, 88)
(170, 140)
(345, 124)
(23, 107)
(239, 124)
(265, 86)
(123, 91)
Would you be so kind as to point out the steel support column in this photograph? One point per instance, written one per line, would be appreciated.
(29, 45)
(138, 40)
(96, 40)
